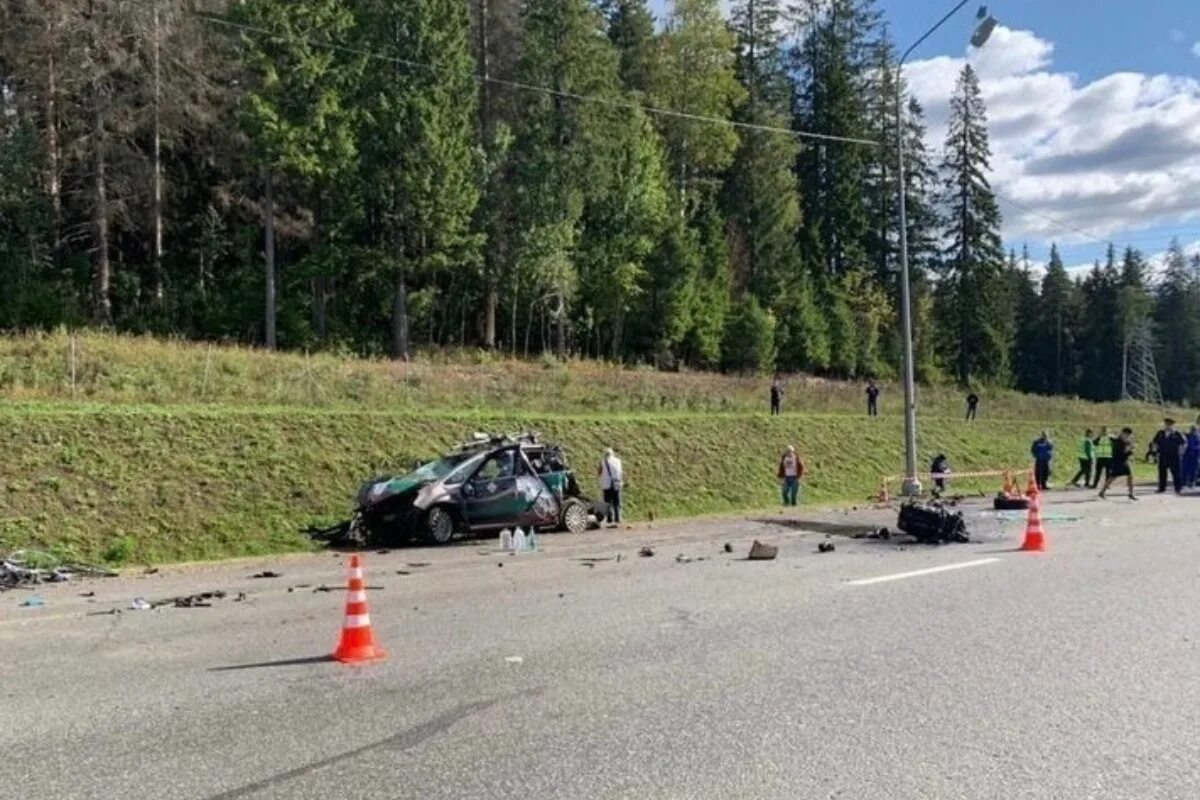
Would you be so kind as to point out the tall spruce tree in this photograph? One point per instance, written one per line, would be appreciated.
(976, 311)
(760, 195)
(419, 162)
(1099, 334)
(1058, 324)
(1027, 359)
(695, 75)
(1177, 322)
(631, 30)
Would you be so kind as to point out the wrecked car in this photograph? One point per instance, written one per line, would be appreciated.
(484, 485)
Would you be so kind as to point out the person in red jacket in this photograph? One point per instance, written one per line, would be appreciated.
(791, 471)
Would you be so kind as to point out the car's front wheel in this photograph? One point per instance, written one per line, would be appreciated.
(574, 517)
(439, 525)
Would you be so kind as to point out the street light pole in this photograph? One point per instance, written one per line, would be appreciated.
(912, 484)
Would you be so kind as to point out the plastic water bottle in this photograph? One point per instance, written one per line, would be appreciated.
(506, 539)
(519, 541)
(533, 540)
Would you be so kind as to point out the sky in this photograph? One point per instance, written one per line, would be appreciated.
(1094, 112)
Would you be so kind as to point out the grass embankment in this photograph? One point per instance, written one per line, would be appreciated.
(137, 470)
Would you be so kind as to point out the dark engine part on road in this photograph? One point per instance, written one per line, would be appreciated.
(932, 524)
(1005, 503)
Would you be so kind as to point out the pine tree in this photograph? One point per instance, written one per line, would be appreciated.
(631, 30)
(1177, 318)
(1058, 326)
(760, 196)
(296, 115)
(1027, 358)
(419, 163)
(976, 311)
(833, 64)
(1100, 336)
(695, 75)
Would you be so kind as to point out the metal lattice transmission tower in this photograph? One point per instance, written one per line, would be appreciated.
(1139, 376)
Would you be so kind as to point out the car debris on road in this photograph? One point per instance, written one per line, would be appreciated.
(762, 552)
(31, 567)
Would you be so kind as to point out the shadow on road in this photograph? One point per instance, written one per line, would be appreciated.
(287, 662)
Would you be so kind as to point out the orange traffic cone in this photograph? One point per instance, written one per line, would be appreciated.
(357, 642)
(1035, 538)
(1031, 490)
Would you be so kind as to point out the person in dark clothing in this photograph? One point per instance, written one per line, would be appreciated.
(1122, 449)
(1170, 445)
(1191, 458)
(972, 405)
(776, 396)
(872, 399)
(1043, 453)
(940, 468)
(1102, 449)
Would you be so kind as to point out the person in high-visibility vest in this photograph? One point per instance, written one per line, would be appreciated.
(1086, 458)
(1103, 452)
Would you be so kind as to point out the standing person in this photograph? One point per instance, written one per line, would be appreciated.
(1191, 458)
(1087, 457)
(1170, 445)
(1043, 453)
(940, 468)
(1103, 450)
(972, 405)
(776, 396)
(1122, 449)
(612, 479)
(791, 471)
(872, 399)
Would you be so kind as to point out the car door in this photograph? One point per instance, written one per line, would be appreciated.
(490, 497)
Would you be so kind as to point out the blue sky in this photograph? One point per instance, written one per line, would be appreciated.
(1095, 109)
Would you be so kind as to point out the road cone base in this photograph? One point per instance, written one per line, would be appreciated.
(1034, 542)
(354, 655)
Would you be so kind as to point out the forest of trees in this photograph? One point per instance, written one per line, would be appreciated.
(534, 176)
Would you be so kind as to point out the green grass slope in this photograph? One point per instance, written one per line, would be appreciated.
(163, 452)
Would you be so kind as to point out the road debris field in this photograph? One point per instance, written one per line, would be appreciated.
(652, 661)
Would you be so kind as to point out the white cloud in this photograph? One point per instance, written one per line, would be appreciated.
(1118, 154)
(1196, 49)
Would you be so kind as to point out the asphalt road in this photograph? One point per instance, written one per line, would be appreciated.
(1068, 674)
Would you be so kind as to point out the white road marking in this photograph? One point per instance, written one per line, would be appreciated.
(899, 576)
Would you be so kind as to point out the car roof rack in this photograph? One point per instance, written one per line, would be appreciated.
(480, 440)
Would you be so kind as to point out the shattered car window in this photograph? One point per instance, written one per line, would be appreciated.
(436, 470)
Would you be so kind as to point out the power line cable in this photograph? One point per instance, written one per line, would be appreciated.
(530, 87)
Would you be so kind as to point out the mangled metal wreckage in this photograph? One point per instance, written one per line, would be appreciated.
(485, 484)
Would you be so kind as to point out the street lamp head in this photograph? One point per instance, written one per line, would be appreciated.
(982, 13)
(985, 29)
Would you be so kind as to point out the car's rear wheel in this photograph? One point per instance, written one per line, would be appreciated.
(439, 525)
(574, 517)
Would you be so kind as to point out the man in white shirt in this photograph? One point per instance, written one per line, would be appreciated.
(611, 479)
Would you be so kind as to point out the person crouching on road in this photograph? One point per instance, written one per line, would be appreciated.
(1122, 450)
(940, 468)
(791, 471)
(611, 481)
(1043, 453)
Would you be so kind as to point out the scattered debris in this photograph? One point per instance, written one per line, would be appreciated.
(324, 588)
(826, 546)
(241, 597)
(515, 660)
(762, 552)
(30, 567)
(588, 564)
(201, 600)
(416, 564)
(728, 547)
(33, 601)
(682, 559)
(87, 594)
(382, 552)
(597, 559)
(646, 552)
(403, 572)
(139, 604)
(266, 573)
(150, 571)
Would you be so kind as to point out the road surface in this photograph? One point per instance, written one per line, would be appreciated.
(876, 671)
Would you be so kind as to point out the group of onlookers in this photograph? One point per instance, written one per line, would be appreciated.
(1106, 458)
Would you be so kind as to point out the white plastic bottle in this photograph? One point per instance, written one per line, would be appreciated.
(534, 541)
(506, 539)
(518, 544)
